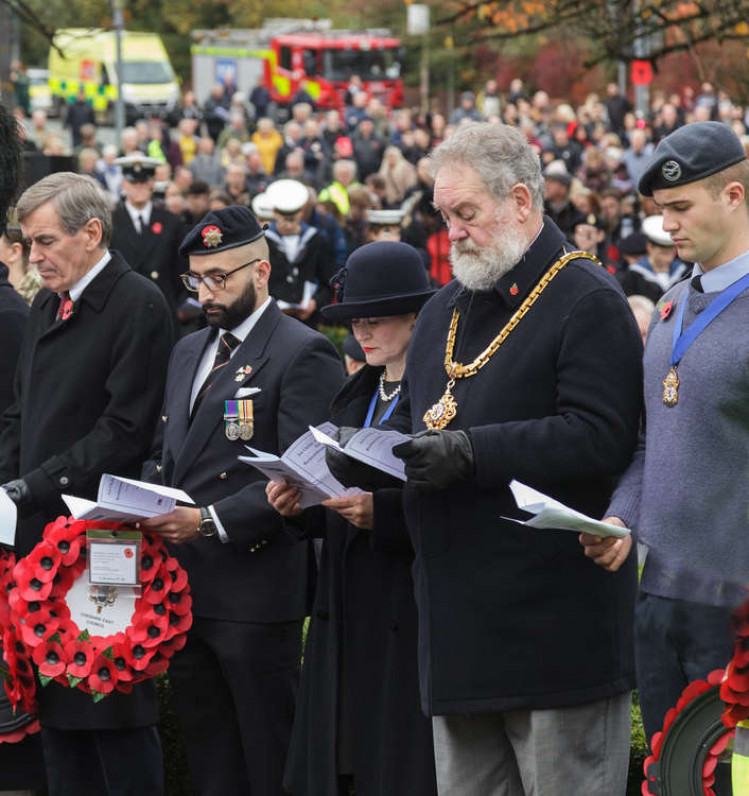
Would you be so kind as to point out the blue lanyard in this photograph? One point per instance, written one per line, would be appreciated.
(681, 342)
(370, 412)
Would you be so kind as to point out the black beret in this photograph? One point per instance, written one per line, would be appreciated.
(591, 219)
(635, 244)
(220, 230)
(691, 153)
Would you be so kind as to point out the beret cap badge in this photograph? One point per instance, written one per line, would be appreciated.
(671, 171)
(212, 236)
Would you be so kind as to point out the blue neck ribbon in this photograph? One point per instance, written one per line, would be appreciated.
(682, 341)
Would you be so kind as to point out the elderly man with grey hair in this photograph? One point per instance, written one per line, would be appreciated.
(525, 367)
(87, 394)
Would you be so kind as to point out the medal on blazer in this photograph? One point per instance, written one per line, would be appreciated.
(682, 340)
(246, 419)
(231, 417)
(242, 372)
(671, 388)
(441, 414)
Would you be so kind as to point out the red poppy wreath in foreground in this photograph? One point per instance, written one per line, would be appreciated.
(42, 621)
(15, 667)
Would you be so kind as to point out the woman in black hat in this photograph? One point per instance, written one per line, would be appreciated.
(358, 723)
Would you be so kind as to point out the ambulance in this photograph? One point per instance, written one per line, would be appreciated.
(87, 58)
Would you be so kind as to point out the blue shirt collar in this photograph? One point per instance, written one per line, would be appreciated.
(724, 275)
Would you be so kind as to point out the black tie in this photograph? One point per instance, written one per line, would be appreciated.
(226, 345)
(141, 225)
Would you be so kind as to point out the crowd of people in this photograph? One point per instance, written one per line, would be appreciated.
(483, 263)
(367, 157)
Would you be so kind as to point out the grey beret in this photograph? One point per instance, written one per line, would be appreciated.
(691, 153)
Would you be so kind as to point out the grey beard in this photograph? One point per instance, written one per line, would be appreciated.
(481, 269)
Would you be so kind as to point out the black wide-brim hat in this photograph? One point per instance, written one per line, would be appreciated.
(379, 280)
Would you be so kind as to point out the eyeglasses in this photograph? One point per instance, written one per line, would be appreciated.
(214, 282)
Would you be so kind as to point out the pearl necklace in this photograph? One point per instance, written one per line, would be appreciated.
(383, 395)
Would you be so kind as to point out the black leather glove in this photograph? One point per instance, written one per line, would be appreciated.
(437, 459)
(19, 492)
(351, 472)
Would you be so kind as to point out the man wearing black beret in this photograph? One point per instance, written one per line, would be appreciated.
(253, 376)
(685, 495)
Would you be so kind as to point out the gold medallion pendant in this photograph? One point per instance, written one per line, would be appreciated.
(440, 415)
(671, 388)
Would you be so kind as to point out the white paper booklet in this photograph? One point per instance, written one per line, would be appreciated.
(373, 446)
(303, 465)
(552, 514)
(123, 499)
(8, 519)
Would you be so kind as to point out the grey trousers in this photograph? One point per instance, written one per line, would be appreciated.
(561, 752)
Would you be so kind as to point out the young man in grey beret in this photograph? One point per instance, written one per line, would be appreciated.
(685, 494)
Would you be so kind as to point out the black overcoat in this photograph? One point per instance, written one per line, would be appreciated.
(13, 316)
(511, 617)
(154, 253)
(362, 634)
(87, 396)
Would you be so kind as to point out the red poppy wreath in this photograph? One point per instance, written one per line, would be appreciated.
(46, 597)
(17, 719)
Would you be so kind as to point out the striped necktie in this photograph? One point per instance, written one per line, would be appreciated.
(226, 345)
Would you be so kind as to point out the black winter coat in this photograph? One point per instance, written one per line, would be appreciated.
(87, 396)
(511, 617)
(362, 634)
(13, 316)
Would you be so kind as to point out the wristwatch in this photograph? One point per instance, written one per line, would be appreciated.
(206, 527)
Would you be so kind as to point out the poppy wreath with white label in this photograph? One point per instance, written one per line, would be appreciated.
(63, 652)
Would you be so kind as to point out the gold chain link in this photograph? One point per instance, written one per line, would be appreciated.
(457, 371)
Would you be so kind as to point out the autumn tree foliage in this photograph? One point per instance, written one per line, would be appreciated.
(616, 30)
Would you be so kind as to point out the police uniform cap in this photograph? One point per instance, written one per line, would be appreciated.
(385, 218)
(287, 196)
(137, 168)
(691, 153)
(652, 228)
(220, 230)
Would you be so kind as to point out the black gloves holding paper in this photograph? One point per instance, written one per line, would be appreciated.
(433, 459)
(437, 459)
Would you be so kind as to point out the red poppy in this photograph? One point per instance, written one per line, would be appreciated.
(665, 309)
(157, 228)
(180, 602)
(157, 666)
(38, 627)
(79, 656)
(159, 587)
(29, 586)
(119, 658)
(49, 658)
(149, 634)
(103, 678)
(45, 560)
(138, 656)
(179, 624)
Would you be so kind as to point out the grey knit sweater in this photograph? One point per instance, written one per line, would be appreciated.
(686, 493)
